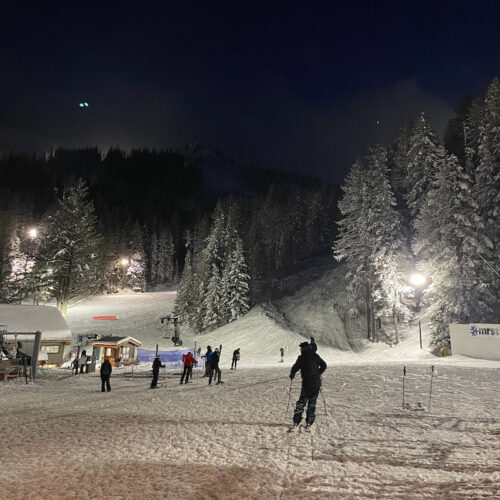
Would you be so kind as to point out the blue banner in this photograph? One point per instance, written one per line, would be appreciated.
(172, 359)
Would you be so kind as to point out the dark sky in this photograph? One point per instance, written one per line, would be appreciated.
(293, 85)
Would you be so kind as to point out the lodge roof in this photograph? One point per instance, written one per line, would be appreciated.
(116, 341)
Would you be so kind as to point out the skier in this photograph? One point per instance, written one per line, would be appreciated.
(83, 360)
(314, 347)
(236, 358)
(207, 357)
(156, 370)
(106, 370)
(311, 367)
(75, 365)
(282, 352)
(214, 366)
(188, 366)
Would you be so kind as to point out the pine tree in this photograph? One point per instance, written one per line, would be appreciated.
(450, 236)
(70, 247)
(136, 271)
(237, 283)
(424, 159)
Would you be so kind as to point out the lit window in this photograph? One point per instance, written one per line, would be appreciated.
(125, 352)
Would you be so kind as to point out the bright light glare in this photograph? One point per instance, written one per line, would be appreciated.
(33, 233)
(124, 262)
(417, 279)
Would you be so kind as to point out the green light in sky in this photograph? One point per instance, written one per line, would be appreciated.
(84, 105)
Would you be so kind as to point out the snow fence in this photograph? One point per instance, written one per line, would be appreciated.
(171, 359)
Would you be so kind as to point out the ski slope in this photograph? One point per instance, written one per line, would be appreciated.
(63, 438)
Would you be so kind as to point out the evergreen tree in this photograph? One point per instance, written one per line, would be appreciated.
(70, 247)
(450, 236)
(424, 158)
(237, 289)
(136, 271)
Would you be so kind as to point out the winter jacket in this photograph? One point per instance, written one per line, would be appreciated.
(214, 360)
(156, 366)
(208, 355)
(106, 369)
(82, 360)
(188, 359)
(311, 367)
(236, 354)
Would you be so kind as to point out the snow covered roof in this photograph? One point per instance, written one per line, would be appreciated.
(46, 319)
(116, 341)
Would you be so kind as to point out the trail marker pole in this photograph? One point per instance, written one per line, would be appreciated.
(430, 391)
(420, 333)
(404, 375)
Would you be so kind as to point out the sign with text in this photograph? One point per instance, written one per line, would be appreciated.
(477, 340)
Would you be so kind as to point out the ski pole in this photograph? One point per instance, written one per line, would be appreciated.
(430, 391)
(404, 375)
(289, 396)
(324, 401)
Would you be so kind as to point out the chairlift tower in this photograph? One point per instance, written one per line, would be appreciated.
(174, 320)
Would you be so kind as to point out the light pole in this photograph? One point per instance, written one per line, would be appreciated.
(419, 283)
(124, 263)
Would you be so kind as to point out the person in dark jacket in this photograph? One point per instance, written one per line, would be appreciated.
(207, 357)
(156, 371)
(314, 347)
(214, 367)
(311, 367)
(106, 370)
(188, 360)
(236, 358)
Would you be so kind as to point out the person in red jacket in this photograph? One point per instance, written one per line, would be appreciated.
(188, 366)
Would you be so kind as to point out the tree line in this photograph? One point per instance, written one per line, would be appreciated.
(136, 219)
(423, 205)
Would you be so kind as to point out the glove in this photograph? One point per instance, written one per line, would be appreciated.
(291, 376)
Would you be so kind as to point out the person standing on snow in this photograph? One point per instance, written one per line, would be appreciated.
(282, 352)
(236, 358)
(75, 365)
(156, 371)
(83, 360)
(106, 370)
(311, 367)
(188, 366)
(207, 357)
(214, 366)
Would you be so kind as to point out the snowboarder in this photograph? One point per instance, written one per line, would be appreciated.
(314, 347)
(282, 352)
(207, 357)
(311, 367)
(236, 358)
(106, 370)
(83, 360)
(188, 366)
(214, 366)
(156, 371)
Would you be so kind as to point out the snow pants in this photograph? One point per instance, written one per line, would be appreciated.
(188, 372)
(154, 382)
(105, 380)
(309, 396)
(233, 364)
(217, 371)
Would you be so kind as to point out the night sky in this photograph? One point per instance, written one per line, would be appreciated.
(292, 85)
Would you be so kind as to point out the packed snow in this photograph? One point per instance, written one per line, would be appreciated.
(63, 438)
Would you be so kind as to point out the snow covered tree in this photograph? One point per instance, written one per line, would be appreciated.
(235, 284)
(136, 270)
(370, 238)
(166, 257)
(70, 246)
(424, 158)
(450, 236)
(487, 175)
